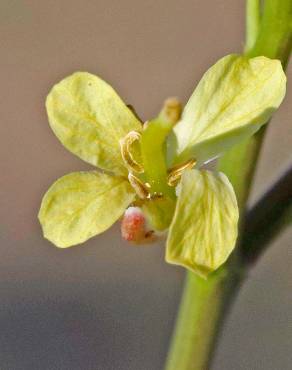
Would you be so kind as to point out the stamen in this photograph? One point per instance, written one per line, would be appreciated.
(142, 190)
(175, 173)
(127, 156)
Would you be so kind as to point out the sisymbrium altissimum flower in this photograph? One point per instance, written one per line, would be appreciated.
(155, 166)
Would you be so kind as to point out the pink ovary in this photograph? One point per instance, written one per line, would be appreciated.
(134, 227)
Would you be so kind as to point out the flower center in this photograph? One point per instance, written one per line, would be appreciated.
(131, 154)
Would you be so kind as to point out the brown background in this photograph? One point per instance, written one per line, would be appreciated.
(106, 305)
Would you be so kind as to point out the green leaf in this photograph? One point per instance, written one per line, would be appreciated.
(235, 97)
(89, 119)
(81, 205)
(204, 228)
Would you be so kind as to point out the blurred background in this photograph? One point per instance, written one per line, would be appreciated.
(106, 305)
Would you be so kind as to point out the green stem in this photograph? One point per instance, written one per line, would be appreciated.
(252, 23)
(205, 302)
(275, 34)
(198, 321)
(271, 214)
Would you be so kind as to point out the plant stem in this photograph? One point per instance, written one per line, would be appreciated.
(197, 322)
(271, 214)
(275, 34)
(205, 302)
(252, 23)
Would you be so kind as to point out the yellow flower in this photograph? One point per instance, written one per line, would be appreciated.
(142, 164)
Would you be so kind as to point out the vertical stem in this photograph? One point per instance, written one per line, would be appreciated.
(275, 34)
(252, 23)
(204, 302)
(198, 321)
(272, 213)
(243, 156)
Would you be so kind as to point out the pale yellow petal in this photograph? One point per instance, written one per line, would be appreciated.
(81, 205)
(235, 97)
(89, 118)
(204, 228)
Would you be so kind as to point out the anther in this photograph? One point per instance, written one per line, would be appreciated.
(127, 156)
(142, 190)
(175, 173)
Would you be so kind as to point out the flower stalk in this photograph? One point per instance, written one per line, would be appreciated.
(205, 302)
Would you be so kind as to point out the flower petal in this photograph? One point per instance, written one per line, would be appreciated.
(89, 118)
(234, 98)
(204, 228)
(81, 205)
